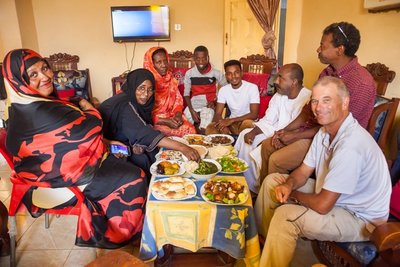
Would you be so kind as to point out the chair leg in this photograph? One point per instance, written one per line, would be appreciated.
(46, 221)
(12, 232)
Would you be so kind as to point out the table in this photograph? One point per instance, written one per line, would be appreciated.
(193, 223)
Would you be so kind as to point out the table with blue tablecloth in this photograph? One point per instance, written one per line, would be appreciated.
(194, 223)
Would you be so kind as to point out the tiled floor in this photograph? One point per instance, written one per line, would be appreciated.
(54, 247)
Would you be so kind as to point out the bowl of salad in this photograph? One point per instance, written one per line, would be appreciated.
(232, 165)
(204, 169)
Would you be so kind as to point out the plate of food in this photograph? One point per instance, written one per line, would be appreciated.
(173, 188)
(204, 169)
(232, 165)
(196, 139)
(170, 155)
(220, 139)
(219, 151)
(165, 168)
(201, 149)
(222, 191)
(179, 139)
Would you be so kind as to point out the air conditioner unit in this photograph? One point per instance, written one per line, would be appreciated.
(381, 5)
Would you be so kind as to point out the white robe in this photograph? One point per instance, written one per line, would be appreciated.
(281, 111)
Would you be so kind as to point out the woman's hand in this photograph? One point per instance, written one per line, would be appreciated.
(191, 153)
(114, 142)
(178, 118)
(169, 122)
(85, 105)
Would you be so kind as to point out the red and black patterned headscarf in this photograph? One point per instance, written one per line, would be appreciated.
(19, 61)
(53, 143)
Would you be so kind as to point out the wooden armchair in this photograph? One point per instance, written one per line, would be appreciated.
(68, 80)
(181, 59)
(257, 64)
(257, 69)
(382, 76)
(382, 119)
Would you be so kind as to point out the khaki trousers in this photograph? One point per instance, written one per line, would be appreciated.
(282, 225)
(283, 160)
(235, 128)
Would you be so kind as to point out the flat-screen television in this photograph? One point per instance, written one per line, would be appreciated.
(140, 23)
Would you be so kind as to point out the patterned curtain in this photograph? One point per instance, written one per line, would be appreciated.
(265, 11)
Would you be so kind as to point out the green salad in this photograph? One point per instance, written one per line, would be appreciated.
(232, 164)
(206, 168)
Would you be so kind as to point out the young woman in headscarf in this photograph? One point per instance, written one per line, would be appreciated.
(128, 118)
(168, 108)
(55, 143)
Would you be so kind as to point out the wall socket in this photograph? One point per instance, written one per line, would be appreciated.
(178, 27)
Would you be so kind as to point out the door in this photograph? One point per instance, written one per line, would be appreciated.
(242, 32)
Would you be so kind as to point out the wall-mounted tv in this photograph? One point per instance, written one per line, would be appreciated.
(140, 23)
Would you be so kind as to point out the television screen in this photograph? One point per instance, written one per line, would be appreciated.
(140, 23)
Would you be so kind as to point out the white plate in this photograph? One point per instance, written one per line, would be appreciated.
(209, 139)
(161, 197)
(245, 191)
(218, 151)
(203, 138)
(153, 168)
(158, 155)
(204, 177)
(179, 139)
(203, 151)
(247, 167)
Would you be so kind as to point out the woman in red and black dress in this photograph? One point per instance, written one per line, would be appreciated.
(55, 143)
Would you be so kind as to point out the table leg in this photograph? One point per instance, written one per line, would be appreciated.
(165, 261)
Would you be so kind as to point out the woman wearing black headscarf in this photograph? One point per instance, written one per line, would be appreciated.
(128, 119)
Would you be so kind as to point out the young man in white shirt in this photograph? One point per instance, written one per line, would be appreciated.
(241, 97)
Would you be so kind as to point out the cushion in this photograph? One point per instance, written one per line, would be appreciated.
(364, 252)
(264, 102)
(70, 79)
(179, 74)
(260, 79)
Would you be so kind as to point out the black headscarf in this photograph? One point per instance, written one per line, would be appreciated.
(133, 80)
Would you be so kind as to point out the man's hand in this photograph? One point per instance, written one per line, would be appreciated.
(249, 137)
(211, 104)
(276, 143)
(195, 115)
(223, 123)
(288, 137)
(282, 192)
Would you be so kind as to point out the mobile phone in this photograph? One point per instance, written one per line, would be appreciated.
(116, 149)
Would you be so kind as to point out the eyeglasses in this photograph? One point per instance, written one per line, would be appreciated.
(143, 90)
(341, 30)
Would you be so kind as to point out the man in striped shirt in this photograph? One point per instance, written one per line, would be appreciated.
(201, 83)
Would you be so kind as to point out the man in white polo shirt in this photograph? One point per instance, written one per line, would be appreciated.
(242, 99)
(350, 195)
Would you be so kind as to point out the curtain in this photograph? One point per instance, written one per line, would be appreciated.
(265, 11)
